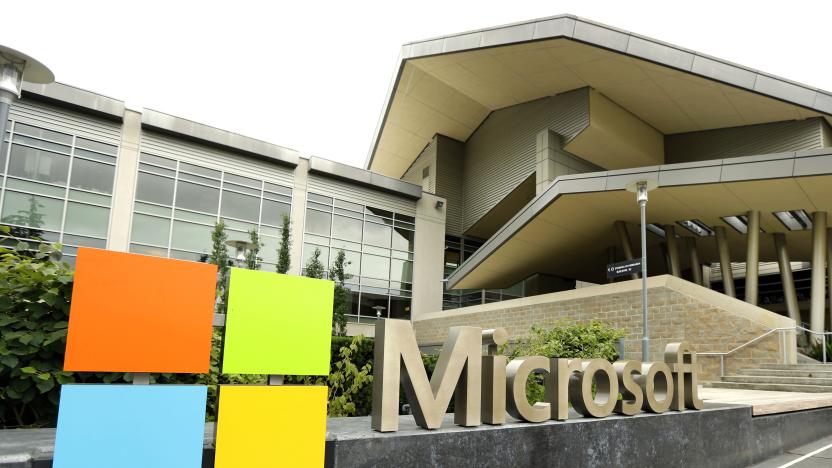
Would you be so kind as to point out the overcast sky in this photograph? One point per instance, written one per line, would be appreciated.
(313, 76)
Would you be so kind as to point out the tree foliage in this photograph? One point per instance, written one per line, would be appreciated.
(314, 268)
(342, 300)
(253, 254)
(283, 261)
(219, 257)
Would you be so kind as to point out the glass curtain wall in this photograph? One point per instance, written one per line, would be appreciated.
(457, 250)
(177, 205)
(379, 246)
(56, 187)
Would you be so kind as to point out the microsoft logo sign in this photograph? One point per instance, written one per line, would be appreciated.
(133, 313)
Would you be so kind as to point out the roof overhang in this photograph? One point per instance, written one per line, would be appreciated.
(566, 230)
(449, 85)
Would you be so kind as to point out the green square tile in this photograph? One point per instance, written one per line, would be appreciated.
(277, 324)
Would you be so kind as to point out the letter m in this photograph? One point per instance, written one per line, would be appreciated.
(457, 373)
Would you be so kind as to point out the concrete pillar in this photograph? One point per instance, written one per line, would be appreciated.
(298, 216)
(624, 240)
(672, 250)
(549, 160)
(752, 258)
(725, 261)
(695, 265)
(829, 270)
(786, 276)
(127, 165)
(819, 254)
(428, 256)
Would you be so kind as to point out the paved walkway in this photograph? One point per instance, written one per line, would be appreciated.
(767, 402)
(817, 454)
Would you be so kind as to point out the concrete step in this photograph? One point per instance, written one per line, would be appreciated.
(787, 373)
(797, 366)
(770, 387)
(779, 380)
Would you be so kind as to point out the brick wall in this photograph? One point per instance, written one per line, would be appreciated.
(678, 311)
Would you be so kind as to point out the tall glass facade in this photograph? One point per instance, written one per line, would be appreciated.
(56, 187)
(379, 246)
(457, 250)
(177, 205)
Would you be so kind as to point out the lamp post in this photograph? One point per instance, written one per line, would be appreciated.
(15, 68)
(241, 247)
(379, 309)
(640, 188)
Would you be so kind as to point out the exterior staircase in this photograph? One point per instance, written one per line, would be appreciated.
(805, 378)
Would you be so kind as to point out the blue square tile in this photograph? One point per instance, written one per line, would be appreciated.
(130, 426)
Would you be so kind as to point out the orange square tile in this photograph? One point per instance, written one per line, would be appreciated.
(136, 313)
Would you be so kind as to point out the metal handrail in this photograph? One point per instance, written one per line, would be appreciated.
(722, 355)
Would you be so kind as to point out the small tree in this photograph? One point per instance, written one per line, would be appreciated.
(219, 257)
(341, 301)
(314, 267)
(283, 261)
(253, 254)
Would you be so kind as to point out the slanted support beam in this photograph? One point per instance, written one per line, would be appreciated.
(752, 258)
(725, 261)
(624, 240)
(673, 250)
(786, 277)
(695, 264)
(817, 310)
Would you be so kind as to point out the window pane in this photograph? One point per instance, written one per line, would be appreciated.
(319, 198)
(32, 187)
(269, 249)
(399, 308)
(368, 301)
(155, 189)
(375, 267)
(95, 146)
(401, 271)
(92, 176)
(189, 256)
(42, 133)
(273, 212)
(150, 230)
(199, 179)
(87, 220)
(36, 164)
(203, 171)
(158, 160)
(403, 239)
(309, 249)
(379, 212)
(278, 189)
(95, 156)
(317, 222)
(354, 266)
(81, 241)
(197, 197)
(78, 195)
(47, 145)
(240, 206)
(347, 228)
(235, 179)
(145, 250)
(32, 211)
(188, 236)
(377, 234)
(241, 189)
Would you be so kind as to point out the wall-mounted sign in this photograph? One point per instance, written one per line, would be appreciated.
(488, 387)
(625, 268)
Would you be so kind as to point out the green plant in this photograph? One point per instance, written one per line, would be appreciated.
(219, 256)
(346, 380)
(314, 268)
(593, 340)
(342, 299)
(816, 351)
(253, 254)
(283, 261)
(35, 290)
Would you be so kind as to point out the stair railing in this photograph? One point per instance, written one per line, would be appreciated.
(782, 337)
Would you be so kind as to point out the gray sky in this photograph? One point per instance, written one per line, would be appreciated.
(312, 76)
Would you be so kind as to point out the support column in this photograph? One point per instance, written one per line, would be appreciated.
(817, 310)
(624, 239)
(428, 256)
(725, 261)
(829, 270)
(550, 159)
(127, 164)
(298, 216)
(752, 258)
(672, 250)
(695, 265)
(786, 276)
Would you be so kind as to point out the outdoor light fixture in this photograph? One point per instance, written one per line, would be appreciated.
(241, 247)
(641, 187)
(379, 309)
(15, 68)
(655, 229)
(739, 223)
(697, 227)
(794, 220)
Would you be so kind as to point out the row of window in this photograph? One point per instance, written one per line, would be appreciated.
(457, 250)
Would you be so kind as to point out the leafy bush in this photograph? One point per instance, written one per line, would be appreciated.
(593, 340)
(816, 352)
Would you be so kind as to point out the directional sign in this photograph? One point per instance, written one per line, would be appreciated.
(625, 268)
